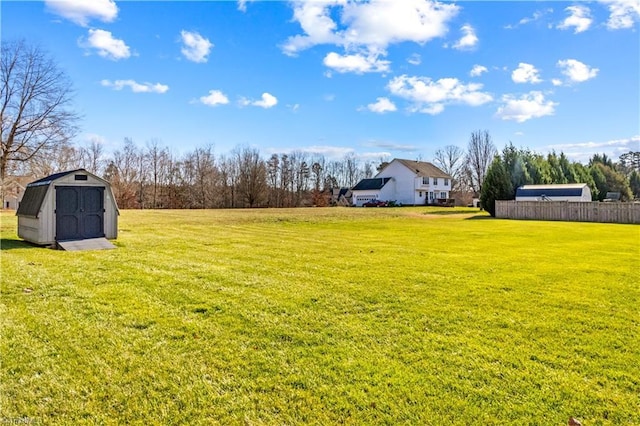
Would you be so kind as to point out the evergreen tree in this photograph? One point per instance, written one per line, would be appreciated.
(634, 183)
(497, 186)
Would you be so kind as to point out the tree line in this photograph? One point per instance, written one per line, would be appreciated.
(152, 177)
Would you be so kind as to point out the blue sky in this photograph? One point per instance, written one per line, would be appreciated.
(376, 78)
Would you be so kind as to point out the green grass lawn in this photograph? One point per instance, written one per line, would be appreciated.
(325, 316)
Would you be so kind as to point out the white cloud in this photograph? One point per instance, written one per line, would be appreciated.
(374, 156)
(430, 96)
(357, 63)
(215, 97)
(393, 146)
(414, 59)
(382, 105)
(135, 86)
(622, 13)
(328, 151)
(477, 70)
(528, 106)
(316, 23)
(365, 29)
(583, 151)
(367, 26)
(579, 18)
(525, 73)
(266, 101)
(195, 47)
(468, 40)
(242, 5)
(536, 16)
(576, 71)
(82, 11)
(106, 45)
(556, 82)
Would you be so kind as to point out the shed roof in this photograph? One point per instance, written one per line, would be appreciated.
(372, 183)
(32, 200)
(557, 190)
(48, 179)
(423, 168)
(555, 185)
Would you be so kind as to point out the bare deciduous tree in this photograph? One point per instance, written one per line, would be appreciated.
(92, 156)
(480, 153)
(450, 160)
(35, 101)
(252, 181)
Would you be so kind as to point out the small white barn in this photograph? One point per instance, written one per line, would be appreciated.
(67, 206)
(557, 192)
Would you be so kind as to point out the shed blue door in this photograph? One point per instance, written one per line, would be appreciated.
(79, 212)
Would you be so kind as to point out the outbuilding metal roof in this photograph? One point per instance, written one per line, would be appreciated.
(559, 190)
(32, 200)
(48, 179)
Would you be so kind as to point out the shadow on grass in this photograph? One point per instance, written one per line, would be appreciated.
(479, 217)
(451, 212)
(10, 244)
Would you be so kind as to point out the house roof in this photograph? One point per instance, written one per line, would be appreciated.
(370, 184)
(423, 168)
(20, 182)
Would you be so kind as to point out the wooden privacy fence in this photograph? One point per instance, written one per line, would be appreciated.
(569, 211)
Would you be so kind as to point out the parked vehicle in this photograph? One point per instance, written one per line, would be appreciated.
(375, 203)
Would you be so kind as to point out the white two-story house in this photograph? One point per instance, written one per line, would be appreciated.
(406, 182)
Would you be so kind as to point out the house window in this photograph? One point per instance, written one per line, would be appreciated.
(425, 180)
(420, 194)
(435, 181)
(446, 182)
(431, 195)
(443, 194)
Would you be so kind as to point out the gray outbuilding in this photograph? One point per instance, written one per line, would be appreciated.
(67, 206)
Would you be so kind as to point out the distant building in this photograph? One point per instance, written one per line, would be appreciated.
(341, 197)
(559, 192)
(406, 182)
(14, 187)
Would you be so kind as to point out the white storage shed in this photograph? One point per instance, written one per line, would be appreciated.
(67, 206)
(557, 192)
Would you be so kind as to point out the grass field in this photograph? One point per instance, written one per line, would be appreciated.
(324, 316)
